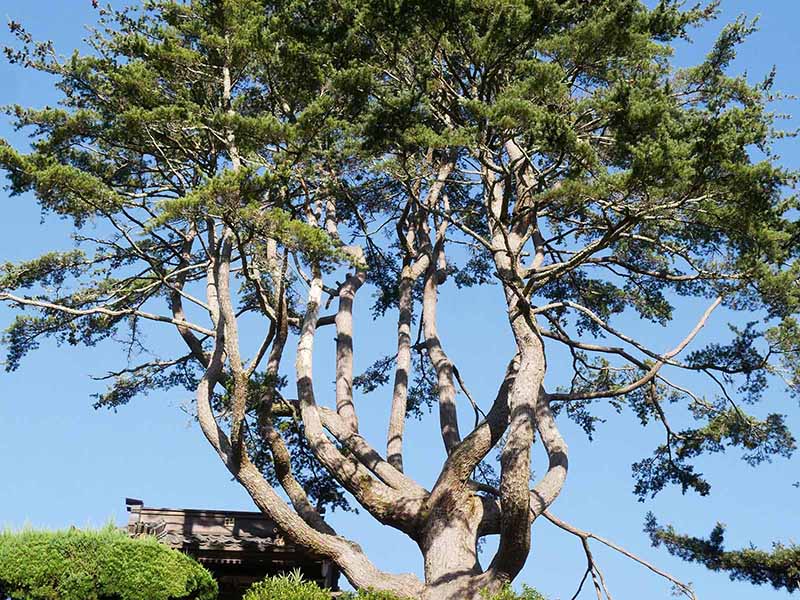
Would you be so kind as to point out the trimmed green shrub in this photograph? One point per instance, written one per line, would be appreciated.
(291, 586)
(371, 595)
(97, 565)
(507, 593)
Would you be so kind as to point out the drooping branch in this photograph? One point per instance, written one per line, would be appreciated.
(585, 536)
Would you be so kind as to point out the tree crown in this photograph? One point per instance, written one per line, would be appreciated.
(226, 160)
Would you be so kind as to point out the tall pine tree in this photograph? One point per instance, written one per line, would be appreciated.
(231, 164)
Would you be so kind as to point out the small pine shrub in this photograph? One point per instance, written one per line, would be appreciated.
(290, 586)
(97, 565)
(371, 595)
(507, 593)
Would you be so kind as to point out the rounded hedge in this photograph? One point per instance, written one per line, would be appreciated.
(97, 565)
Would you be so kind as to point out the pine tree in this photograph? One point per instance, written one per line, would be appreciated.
(232, 162)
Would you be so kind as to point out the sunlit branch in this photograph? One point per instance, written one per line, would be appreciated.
(22, 301)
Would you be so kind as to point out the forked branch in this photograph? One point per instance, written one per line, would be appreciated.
(585, 536)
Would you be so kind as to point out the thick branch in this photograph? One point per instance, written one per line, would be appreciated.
(446, 389)
(549, 487)
(344, 349)
(281, 460)
(525, 405)
(460, 464)
(385, 504)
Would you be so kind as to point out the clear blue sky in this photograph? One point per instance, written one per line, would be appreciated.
(63, 463)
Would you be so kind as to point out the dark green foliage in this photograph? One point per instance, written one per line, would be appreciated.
(759, 439)
(779, 567)
(97, 565)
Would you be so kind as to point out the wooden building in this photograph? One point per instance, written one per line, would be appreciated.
(238, 548)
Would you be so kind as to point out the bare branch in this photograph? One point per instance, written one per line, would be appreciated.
(685, 589)
(24, 301)
(663, 359)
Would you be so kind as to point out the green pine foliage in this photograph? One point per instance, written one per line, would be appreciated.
(507, 593)
(779, 567)
(289, 586)
(294, 127)
(292, 586)
(97, 565)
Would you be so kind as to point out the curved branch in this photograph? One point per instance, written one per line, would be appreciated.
(280, 454)
(346, 554)
(549, 487)
(663, 359)
(85, 312)
(526, 402)
(283, 470)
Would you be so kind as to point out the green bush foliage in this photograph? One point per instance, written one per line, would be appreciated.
(97, 565)
(371, 595)
(507, 593)
(291, 586)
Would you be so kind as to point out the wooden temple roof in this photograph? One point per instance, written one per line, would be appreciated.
(239, 548)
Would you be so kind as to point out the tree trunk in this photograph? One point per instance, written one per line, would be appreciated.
(449, 547)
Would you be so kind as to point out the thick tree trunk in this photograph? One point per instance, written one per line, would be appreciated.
(449, 545)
